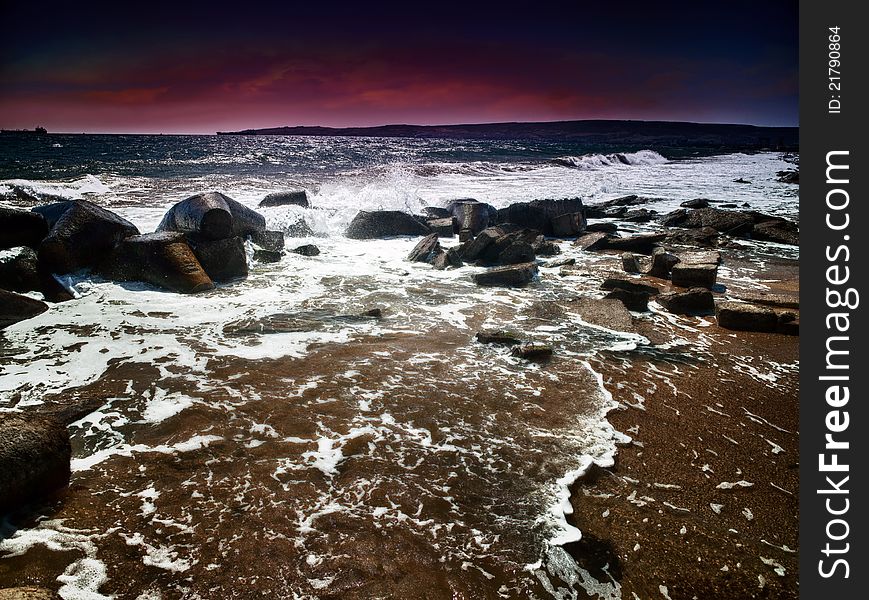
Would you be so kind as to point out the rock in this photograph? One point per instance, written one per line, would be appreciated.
(728, 205)
(223, 260)
(307, 250)
(374, 313)
(268, 240)
(34, 458)
(617, 283)
(639, 216)
(662, 263)
(426, 250)
(267, 256)
(21, 228)
(701, 257)
(15, 307)
(694, 275)
(470, 214)
(560, 262)
(498, 337)
(442, 227)
(509, 250)
(592, 241)
(788, 176)
(782, 232)
(771, 299)
(730, 222)
(696, 203)
(609, 313)
(538, 214)
(510, 276)
(20, 273)
(289, 198)
(81, 234)
(544, 247)
(630, 264)
(474, 249)
(633, 300)
(28, 593)
(436, 212)
(533, 351)
(741, 180)
(703, 236)
(567, 225)
(643, 243)
(466, 235)
(695, 301)
(746, 317)
(212, 216)
(605, 226)
(788, 323)
(298, 229)
(383, 224)
(163, 259)
(449, 258)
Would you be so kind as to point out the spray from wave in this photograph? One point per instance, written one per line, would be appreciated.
(597, 161)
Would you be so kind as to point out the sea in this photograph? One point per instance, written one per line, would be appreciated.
(322, 453)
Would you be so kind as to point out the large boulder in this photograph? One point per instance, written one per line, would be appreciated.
(213, 216)
(81, 234)
(695, 301)
(695, 203)
(471, 214)
(689, 275)
(34, 458)
(21, 228)
(538, 214)
(15, 307)
(383, 224)
(730, 222)
(222, 259)
(474, 248)
(633, 300)
(426, 250)
(163, 259)
(780, 231)
(568, 224)
(443, 227)
(20, 272)
(746, 317)
(510, 276)
(289, 198)
(306, 250)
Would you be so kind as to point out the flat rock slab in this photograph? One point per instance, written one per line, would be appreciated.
(694, 275)
(533, 351)
(746, 317)
(510, 276)
(28, 593)
(633, 300)
(643, 243)
(630, 285)
(498, 337)
(592, 241)
(696, 301)
(769, 299)
(15, 307)
(611, 314)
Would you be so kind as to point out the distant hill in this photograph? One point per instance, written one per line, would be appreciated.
(646, 134)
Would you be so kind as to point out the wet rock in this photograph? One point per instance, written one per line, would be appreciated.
(426, 250)
(695, 301)
(443, 227)
(374, 313)
(436, 212)
(268, 240)
(567, 225)
(701, 257)
(222, 259)
(543, 247)
(639, 216)
(788, 323)
(470, 214)
(15, 307)
(307, 250)
(28, 593)
(538, 214)
(782, 232)
(630, 264)
(728, 205)
(533, 351)
(466, 235)
(510, 276)
(609, 313)
(34, 458)
(730, 222)
(384, 224)
(303, 321)
(288, 198)
(20, 273)
(559, 262)
(637, 301)
(21, 228)
(643, 243)
(694, 275)
(447, 258)
(163, 259)
(788, 176)
(741, 180)
(498, 337)
(746, 317)
(662, 263)
(267, 256)
(213, 216)
(592, 241)
(605, 226)
(474, 248)
(509, 250)
(770, 299)
(630, 285)
(298, 229)
(695, 203)
(703, 236)
(81, 234)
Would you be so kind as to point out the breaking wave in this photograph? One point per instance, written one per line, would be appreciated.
(596, 161)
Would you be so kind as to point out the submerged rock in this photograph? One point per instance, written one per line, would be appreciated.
(533, 351)
(307, 250)
(288, 198)
(81, 234)
(383, 224)
(21, 228)
(34, 458)
(511, 276)
(637, 301)
(498, 337)
(15, 307)
(163, 259)
(267, 256)
(28, 593)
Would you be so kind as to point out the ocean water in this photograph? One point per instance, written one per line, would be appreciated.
(343, 456)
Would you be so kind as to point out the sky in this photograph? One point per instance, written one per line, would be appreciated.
(183, 67)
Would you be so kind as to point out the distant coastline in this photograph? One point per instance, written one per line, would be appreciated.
(594, 132)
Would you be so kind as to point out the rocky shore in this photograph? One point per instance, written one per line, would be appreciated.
(693, 506)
